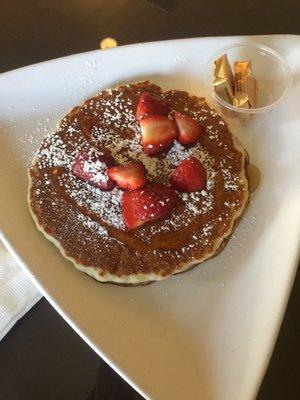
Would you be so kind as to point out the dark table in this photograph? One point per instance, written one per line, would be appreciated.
(41, 357)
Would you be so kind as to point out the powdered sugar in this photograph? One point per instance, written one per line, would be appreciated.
(105, 205)
(97, 169)
(231, 180)
(89, 223)
(53, 154)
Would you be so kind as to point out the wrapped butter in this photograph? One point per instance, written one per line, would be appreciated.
(245, 85)
(223, 79)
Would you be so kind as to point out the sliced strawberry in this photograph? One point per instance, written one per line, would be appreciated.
(189, 176)
(131, 219)
(189, 129)
(143, 205)
(90, 165)
(129, 176)
(158, 133)
(151, 103)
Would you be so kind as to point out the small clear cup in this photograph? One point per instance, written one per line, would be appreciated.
(271, 71)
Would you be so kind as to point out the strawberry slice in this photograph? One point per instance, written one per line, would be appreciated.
(129, 176)
(90, 165)
(189, 176)
(158, 133)
(151, 103)
(189, 129)
(142, 205)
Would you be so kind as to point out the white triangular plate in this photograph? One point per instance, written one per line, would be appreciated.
(209, 333)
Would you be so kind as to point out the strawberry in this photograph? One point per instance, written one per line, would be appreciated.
(128, 176)
(142, 205)
(189, 129)
(151, 103)
(158, 133)
(189, 176)
(90, 165)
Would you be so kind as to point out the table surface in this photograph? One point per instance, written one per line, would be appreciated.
(42, 357)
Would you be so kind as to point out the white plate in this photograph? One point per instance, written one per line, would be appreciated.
(209, 333)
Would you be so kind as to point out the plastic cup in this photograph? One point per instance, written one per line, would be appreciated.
(268, 67)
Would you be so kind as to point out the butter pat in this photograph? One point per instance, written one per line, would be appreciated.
(245, 85)
(223, 79)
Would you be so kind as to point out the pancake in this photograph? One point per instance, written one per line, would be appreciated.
(86, 223)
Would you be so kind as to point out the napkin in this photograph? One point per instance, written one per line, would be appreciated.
(17, 292)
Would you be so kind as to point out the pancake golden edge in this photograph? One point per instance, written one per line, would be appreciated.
(139, 279)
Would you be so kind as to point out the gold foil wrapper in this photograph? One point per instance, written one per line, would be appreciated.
(245, 85)
(239, 89)
(223, 79)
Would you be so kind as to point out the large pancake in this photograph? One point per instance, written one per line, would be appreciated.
(86, 224)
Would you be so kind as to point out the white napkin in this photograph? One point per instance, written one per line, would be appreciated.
(17, 292)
